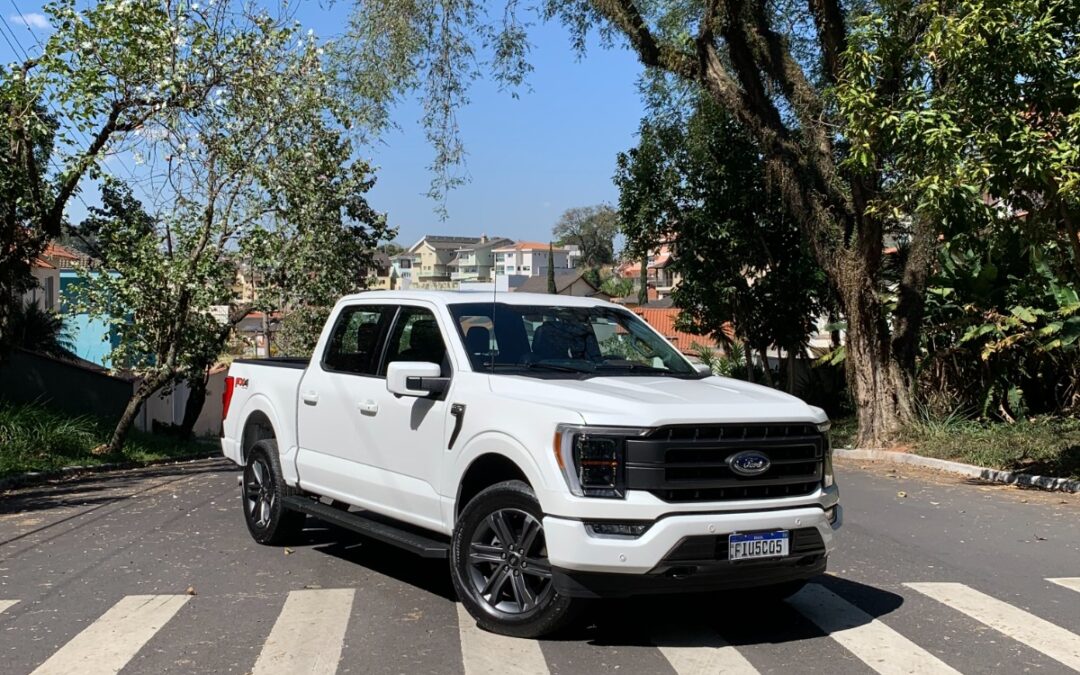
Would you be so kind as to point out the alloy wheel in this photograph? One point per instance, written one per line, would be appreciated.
(258, 492)
(508, 564)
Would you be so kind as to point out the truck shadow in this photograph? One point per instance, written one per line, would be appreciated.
(687, 621)
(681, 620)
(432, 576)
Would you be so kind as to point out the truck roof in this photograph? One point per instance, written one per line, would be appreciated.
(457, 297)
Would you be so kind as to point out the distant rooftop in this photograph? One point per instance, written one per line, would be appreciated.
(529, 246)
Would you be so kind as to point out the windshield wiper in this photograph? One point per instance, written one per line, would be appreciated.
(536, 365)
(539, 365)
(640, 367)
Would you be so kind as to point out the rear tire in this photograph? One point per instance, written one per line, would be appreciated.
(499, 564)
(261, 493)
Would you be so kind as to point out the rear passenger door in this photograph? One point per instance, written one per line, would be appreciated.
(336, 438)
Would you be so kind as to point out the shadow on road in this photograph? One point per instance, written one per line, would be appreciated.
(624, 622)
(99, 488)
(429, 575)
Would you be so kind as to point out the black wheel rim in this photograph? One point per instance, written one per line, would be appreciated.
(507, 562)
(258, 492)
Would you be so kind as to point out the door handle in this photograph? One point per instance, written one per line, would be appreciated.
(310, 397)
(368, 407)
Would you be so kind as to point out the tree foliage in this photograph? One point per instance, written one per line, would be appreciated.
(699, 183)
(592, 229)
(849, 105)
(106, 71)
(262, 164)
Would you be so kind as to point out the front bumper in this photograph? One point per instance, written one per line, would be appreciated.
(573, 549)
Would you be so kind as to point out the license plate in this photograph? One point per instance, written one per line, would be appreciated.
(758, 545)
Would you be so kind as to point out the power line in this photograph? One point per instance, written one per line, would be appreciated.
(26, 56)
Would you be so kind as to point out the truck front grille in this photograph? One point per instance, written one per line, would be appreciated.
(689, 463)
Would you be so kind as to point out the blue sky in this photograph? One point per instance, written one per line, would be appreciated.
(529, 158)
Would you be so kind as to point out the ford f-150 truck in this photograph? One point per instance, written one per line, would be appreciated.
(552, 448)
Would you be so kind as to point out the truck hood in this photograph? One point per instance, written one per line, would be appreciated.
(653, 401)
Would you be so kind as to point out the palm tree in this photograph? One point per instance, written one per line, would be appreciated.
(38, 330)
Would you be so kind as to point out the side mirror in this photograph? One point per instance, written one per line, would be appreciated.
(415, 378)
(703, 368)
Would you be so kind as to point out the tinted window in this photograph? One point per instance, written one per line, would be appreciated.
(416, 337)
(354, 340)
(576, 340)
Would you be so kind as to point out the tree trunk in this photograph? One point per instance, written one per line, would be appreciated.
(791, 371)
(878, 384)
(643, 288)
(748, 354)
(196, 400)
(143, 392)
(764, 354)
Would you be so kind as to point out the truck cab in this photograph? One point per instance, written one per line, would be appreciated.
(553, 448)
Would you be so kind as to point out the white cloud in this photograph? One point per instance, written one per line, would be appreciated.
(31, 20)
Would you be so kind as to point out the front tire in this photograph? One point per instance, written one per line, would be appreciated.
(499, 564)
(263, 488)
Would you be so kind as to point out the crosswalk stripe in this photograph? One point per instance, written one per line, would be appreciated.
(873, 642)
(693, 651)
(1048, 638)
(1068, 582)
(484, 653)
(6, 604)
(308, 634)
(106, 645)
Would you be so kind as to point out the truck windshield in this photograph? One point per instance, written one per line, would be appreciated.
(555, 341)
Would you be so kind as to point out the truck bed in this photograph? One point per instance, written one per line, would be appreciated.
(298, 362)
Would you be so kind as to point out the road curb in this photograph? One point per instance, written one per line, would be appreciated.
(36, 477)
(969, 470)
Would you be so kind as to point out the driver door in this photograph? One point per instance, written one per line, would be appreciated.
(413, 431)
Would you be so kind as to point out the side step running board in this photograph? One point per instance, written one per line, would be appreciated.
(420, 544)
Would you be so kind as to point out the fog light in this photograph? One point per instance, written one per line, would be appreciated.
(614, 529)
(830, 515)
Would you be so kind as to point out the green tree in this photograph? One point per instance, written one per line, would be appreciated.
(267, 151)
(106, 72)
(22, 237)
(816, 86)
(700, 182)
(38, 330)
(592, 229)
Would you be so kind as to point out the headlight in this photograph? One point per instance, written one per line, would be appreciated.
(593, 459)
(829, 479)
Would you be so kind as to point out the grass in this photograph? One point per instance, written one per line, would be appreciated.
(1045, 446)
(34, 438)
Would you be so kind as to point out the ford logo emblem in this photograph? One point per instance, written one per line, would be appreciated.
(749, 463)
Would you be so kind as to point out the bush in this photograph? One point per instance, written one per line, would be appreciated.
(36, 438)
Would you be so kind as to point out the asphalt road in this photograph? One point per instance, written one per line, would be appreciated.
(153, 571)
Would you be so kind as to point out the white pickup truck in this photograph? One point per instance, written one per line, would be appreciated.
(553, 448)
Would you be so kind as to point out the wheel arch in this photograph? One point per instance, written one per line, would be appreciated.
(257, 427)
(487, 459)
(484, 471)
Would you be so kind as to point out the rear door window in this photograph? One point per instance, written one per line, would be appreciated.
(356, 339)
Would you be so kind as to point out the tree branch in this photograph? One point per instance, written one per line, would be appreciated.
(69, 181)
(832, 34)
(625, 15)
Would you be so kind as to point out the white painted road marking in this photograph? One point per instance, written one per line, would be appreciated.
(1068, 582)
(484, 653)
(695, 651)
(106, 645)
(1048, 638)
(308, 634)
(6, 604)
(876, 645)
